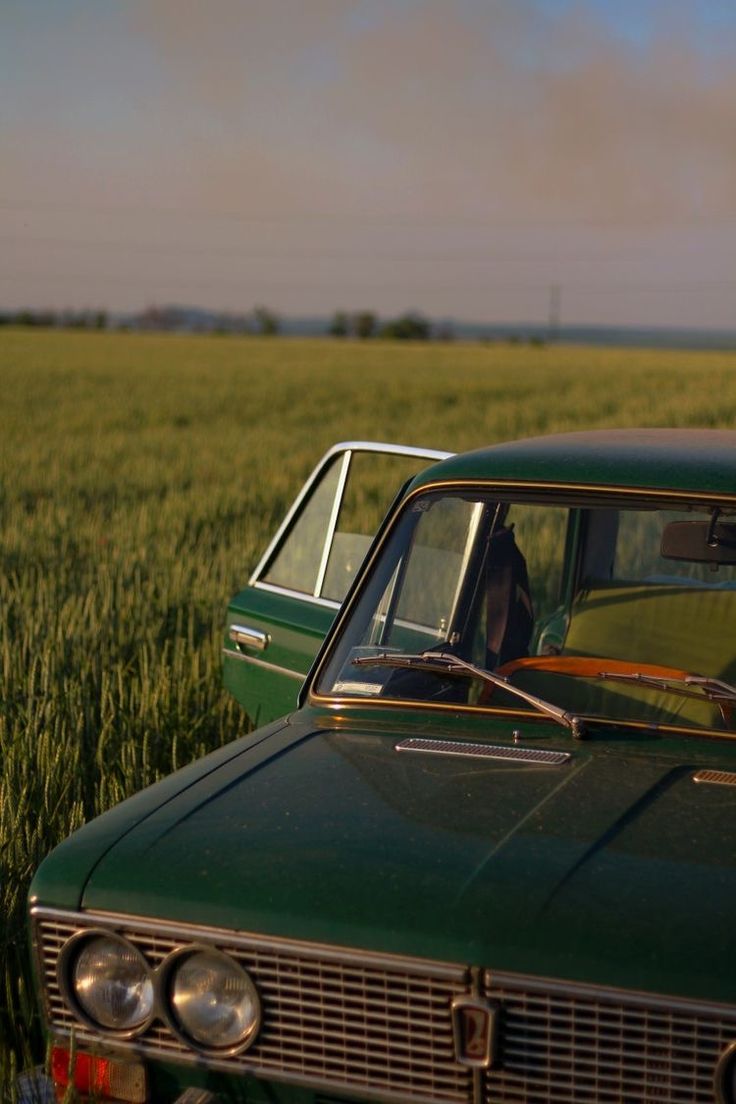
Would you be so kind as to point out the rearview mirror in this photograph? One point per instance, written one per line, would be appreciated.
(700, 542)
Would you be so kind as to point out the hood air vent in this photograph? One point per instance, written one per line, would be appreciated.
(486, 751)
(716, 778)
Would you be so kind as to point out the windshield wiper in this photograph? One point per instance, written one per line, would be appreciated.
(442, 663)
(713, 690)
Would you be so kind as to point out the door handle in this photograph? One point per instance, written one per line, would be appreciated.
(244, 636)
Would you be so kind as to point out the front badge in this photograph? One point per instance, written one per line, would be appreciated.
(474, 1029)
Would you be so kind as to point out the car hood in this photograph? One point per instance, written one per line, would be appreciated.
(614, 867)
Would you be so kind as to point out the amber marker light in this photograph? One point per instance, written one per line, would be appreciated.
(99, 1078)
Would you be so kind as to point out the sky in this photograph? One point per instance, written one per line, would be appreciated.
(476, 159)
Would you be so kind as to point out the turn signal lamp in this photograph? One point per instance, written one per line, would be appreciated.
(99, 1078)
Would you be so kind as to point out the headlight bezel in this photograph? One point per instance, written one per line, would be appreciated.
(166, 979)
(68, 958)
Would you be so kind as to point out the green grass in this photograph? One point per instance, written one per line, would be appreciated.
(140, 477)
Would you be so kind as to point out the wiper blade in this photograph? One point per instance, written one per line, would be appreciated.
(713, 690)
(442, 663)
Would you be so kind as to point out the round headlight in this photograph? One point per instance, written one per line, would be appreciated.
(111, 983)
(213, 1001)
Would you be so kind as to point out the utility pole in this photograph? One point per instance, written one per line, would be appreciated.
(555, 310)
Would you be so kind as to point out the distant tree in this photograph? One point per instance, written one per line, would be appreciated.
(339, 327)
(152, 318)
(267, 323)
(364, 324)
(409, 327)
(100, 320)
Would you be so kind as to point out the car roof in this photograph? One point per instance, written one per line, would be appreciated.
(655, 459)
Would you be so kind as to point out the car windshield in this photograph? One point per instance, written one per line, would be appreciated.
(590, 607)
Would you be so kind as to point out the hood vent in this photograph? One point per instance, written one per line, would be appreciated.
(486, 751)
(716, 778)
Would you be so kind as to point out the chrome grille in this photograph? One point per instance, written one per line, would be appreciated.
(581, 1045)
(380, 1026)
(331, 1018)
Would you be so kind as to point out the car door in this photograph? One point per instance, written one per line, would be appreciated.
(277, 623)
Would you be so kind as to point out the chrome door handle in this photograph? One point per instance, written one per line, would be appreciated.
(250, 638)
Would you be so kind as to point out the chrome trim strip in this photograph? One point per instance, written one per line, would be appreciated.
(262, 663)
(341, 446)
(332, 523)
(302, 595)
(326, 952)
(484, 751)
(605, 490)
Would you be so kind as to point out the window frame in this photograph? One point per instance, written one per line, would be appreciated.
(346, 450)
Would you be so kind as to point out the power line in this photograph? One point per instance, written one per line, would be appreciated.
(389, 219)
(143, 281)
(290, 254)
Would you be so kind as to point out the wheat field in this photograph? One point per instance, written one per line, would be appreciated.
(140, 478)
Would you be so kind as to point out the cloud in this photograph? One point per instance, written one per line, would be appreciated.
(455, 155)
(495, 109)
(584, 127)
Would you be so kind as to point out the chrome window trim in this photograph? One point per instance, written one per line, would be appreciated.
(467, 553)
(335, 450)
(332, 523)
(301, 595)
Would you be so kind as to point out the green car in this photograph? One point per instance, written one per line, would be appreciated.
(488, 856)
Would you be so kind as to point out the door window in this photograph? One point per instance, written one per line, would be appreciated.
(326, 536)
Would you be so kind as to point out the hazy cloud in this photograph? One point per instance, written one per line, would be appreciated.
(494, 107)
(453, 155)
